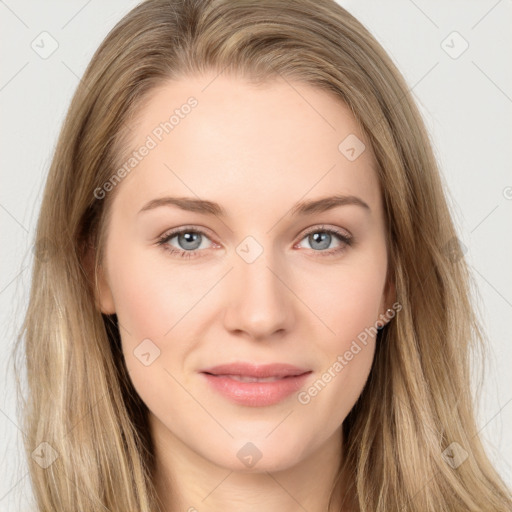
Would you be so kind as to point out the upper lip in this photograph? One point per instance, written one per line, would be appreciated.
(253, 370)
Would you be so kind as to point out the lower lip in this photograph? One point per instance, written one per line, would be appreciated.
(256, 394)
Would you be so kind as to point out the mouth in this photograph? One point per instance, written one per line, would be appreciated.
(256, 386)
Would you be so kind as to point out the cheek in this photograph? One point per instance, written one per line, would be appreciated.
(158, 307)
(149, 305)
(346, 299)
(150, 294)
(348, 304)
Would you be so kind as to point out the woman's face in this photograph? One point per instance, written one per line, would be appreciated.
(259, 275)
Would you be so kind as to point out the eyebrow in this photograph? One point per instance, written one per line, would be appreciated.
(205, 207)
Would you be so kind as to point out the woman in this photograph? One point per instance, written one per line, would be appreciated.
(254, 297)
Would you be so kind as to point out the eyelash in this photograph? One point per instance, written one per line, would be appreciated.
(162, 241)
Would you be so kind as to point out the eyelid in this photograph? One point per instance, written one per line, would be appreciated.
(195, 228)
(325, 227)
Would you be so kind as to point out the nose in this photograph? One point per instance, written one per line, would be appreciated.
(260, 303)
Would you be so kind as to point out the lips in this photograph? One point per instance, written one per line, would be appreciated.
(255, 385)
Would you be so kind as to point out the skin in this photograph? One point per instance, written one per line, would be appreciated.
(255, 150)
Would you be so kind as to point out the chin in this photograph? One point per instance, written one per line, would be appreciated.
(259, 455)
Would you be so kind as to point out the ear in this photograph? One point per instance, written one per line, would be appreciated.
(99, 283)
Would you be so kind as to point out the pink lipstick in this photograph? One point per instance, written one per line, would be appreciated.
(256, 385)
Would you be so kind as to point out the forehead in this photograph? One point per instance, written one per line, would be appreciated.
(242, 145)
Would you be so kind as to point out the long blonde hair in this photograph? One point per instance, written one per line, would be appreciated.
(417, 401)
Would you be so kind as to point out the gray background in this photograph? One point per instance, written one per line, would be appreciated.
(466, 101)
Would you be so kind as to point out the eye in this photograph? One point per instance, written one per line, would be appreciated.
(321, 238)
(189, 241)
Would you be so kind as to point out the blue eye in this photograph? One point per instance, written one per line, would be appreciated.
(321, 237)
(191, 239)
